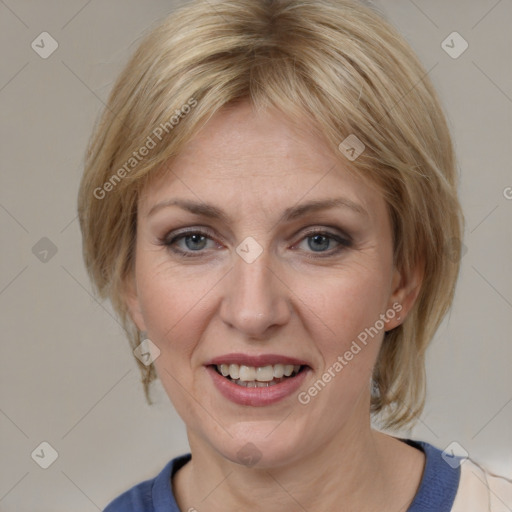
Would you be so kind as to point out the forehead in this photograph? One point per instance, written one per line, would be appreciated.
(242, 156)
(239, 134)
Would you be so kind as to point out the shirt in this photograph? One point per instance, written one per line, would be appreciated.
(448, 484)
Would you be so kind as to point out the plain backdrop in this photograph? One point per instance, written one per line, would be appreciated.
(67, 375)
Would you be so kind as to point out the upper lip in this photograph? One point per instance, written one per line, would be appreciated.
(255, 360)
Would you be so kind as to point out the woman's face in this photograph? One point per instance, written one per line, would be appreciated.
(258, 250)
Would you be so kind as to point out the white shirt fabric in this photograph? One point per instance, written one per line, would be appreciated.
(481, 491)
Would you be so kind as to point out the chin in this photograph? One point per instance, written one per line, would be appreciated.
(261, 450)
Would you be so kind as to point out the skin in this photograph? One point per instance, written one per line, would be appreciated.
(292, 300)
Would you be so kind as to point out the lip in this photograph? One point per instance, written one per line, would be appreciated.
(255, 360)
(257, 397)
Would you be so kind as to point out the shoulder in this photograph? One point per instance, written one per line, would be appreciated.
(481, 490)
(154, 495)
(138, 498)
(455, 484)
(439, 482)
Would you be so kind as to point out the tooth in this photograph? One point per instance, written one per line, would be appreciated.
(278, 371)
(288, 369)
(264, 373)
(247, 373)
(251, 384)
(234, 371)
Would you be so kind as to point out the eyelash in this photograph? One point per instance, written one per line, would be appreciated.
(344, 243)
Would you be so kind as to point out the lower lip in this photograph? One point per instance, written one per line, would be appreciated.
(256, 397)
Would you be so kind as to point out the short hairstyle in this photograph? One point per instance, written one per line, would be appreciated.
(336, 65)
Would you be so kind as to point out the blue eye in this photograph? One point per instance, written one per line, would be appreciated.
(194, 243)
(321, 242)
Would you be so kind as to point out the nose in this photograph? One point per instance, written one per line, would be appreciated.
(255, 298)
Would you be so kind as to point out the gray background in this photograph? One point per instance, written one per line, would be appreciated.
(67, 375)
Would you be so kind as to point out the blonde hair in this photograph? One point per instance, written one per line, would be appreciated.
(336, 64)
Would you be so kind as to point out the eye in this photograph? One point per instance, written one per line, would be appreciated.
(324, 242)
(189, 242)
(195, 242)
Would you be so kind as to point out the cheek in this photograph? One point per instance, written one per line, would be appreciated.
(174, 314)
(347, 300)
(350, 304)
(175, 304)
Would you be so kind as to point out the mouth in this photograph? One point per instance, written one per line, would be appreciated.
(257, 380)
(258, 376)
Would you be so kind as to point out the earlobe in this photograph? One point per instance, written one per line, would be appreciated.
(406, 289)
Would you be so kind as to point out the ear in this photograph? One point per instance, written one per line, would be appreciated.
(131, 299)
(406, 288)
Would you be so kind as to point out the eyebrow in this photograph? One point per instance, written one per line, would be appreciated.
(292, 213)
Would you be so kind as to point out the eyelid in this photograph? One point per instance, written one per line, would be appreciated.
(171, 238)
(343, 240)
(172, 235)
(323, 229)
(326, 230)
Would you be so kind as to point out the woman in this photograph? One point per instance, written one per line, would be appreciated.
(270, 203)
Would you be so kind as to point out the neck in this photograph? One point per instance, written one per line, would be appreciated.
(352, 469)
